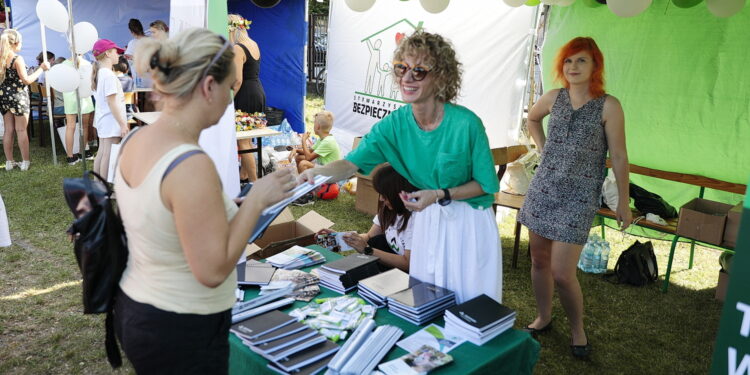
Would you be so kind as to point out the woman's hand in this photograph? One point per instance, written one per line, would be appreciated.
(124, 131)
(324, 231)
(273, 188)
(308, 175)
(624, 215)
(419, 200)
(355, 240)
(45, 66)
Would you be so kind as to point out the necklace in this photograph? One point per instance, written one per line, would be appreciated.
(433, 124)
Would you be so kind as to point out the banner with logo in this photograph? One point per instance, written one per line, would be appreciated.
(492, 41)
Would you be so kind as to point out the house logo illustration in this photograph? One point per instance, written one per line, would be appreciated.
(380, 94)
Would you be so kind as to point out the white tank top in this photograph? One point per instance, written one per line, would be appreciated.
(157, 272)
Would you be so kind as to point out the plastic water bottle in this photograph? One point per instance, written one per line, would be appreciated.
(605, 256)
(597, 256)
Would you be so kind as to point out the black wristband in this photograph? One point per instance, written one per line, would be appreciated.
(367, 251)
(446, 200)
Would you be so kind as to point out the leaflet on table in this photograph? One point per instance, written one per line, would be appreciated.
(421, 361)
(270, 213)
(432, 335)
(334, 241)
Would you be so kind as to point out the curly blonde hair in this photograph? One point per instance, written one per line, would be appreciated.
(438, 53)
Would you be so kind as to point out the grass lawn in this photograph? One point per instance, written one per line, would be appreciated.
(632, 330)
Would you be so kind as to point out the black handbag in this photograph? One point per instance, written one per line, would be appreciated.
(637, 265)
(101, 249)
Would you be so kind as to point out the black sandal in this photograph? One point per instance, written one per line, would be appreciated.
(581, 351)
(536, 331)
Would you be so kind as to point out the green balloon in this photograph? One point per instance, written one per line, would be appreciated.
(686, 3)
(591, 3)
(533, 3)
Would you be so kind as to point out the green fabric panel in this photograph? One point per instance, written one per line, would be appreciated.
(680, 76)
(217, 17)
(513, 352)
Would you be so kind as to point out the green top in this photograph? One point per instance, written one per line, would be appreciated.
(327, 150)
(456, 152)
(69, 98)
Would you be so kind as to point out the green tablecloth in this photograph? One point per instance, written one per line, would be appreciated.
(513, 352)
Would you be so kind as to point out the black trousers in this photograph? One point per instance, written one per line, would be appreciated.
(162, 342)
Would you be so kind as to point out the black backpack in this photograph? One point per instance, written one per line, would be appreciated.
(101, 249)
(637, 265)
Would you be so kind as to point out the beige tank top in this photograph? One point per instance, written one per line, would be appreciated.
(157, 272)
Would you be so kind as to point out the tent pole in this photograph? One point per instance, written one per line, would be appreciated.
(82, 141)
(49, 99)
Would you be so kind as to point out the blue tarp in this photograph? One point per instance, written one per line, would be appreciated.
(109, 17)
(281, 34)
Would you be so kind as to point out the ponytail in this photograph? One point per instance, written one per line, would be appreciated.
(94, 74)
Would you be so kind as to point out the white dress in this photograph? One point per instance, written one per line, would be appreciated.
(4, 231)
(458, 247)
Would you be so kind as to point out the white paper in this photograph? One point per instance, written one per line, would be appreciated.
(432, 335)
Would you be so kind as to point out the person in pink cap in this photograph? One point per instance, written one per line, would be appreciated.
(109, 118)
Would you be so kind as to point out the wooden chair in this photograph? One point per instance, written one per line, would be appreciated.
(502, 156)
(40, 105)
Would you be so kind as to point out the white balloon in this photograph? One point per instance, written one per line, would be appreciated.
(53, 15)
(564, 3)
(360, 5)
(86, 35)
(550, 2)
(628, 8)
(514, 3)
(63, 78)
(84, 87)
(434, 6)
(725, 8)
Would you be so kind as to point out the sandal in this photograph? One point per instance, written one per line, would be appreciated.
(581, 351)
(536, 331)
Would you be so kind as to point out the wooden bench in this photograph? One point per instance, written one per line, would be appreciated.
(509, 154)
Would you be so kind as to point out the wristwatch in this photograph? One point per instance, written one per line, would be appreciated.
(367, 250)
(446, 200)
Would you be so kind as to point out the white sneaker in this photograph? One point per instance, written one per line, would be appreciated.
(24, 165)
(9, 165)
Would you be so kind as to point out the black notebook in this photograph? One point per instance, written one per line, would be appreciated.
(312, 368)
(309, 356)
(277, 333)
(421, 296)
(262, 324)
(481, 312)
(349, 270)
(253, 272)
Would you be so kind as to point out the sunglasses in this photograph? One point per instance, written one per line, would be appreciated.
(418, 72)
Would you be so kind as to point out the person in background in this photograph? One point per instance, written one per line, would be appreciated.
(159, 30)
(58, 105)
(455, 244)
(565, 192)
(121, 71)
(173, 310)
(324, 151)
(70, 102)
(40, 60)
(14, 97)
(390, 237)
(110, 116)
(136, 30)
(249, 95)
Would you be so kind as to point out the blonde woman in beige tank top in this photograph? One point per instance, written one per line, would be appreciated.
(184, 235)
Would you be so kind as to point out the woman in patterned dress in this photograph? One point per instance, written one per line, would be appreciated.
(14, 97)
(565, 193)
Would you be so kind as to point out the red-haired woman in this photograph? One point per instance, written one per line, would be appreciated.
(565, 193)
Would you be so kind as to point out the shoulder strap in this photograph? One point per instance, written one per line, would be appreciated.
(247, 51)
(122, 145)
(179, 160)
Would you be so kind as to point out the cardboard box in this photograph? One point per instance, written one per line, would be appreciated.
(721, 287)
(732, 226)
(284, 232)
(703, 220)
(367, 200)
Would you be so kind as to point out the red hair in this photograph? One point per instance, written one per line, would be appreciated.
(596, 87)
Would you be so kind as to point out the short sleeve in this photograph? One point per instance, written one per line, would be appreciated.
(376, 221)
(483, 166)
(370, 151)
(407, 235)
(131, 47)
(323, 148)
(109, 82)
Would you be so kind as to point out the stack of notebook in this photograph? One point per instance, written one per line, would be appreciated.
(296, 257)
(421, 303)
(253, 272)
(364, 349)
(479, 320)
(291, 347)
(376, 289)
(343, 275)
